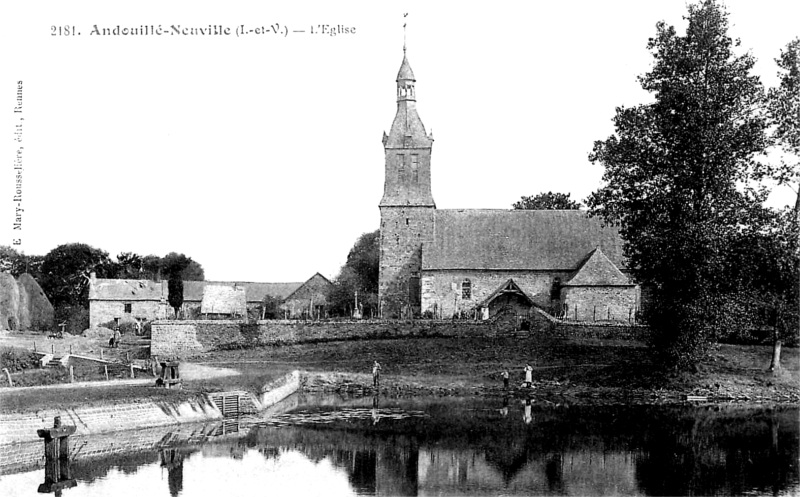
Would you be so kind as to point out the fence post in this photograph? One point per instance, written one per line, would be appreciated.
(594, 313)
(132, 376)
(105, 369)
(101, 352)
(8, 375)
(71, 374)
(52, 348)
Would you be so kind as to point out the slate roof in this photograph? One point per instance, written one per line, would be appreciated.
(597, 270)
(405, 71)
(509, 286)
(317, 284)
(223, 299)
(133, 290)
(517, 240)
(128, 290)
(193, 290)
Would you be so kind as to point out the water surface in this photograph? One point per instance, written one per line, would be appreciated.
(452, 446)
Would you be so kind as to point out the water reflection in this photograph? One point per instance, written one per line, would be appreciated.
(378, 446)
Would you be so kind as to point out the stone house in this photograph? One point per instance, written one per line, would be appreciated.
(451, 262)
(310, 299)
(145, 300)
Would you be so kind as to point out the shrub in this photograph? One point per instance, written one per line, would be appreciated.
(17, 359)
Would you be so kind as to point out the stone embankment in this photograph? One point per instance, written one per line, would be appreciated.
(142, 413)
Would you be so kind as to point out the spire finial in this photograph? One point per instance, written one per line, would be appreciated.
(404, 33)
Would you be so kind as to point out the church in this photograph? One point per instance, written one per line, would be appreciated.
(445, 263)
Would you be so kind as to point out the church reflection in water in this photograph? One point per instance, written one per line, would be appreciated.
(507, 446)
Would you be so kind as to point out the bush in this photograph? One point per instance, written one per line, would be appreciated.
(76, 317)
(16, 360)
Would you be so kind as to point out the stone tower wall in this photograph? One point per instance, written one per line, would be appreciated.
(404, 232)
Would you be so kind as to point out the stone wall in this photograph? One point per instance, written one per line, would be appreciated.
(600, 303)
(444, 288)
(108, 418)
(404, 230)
(104, 311)
(188, 338)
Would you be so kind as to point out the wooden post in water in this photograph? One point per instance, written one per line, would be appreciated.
(57, 475)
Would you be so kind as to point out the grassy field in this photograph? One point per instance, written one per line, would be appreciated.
(592, 364)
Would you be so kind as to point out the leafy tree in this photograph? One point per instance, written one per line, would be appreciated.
(270, 308)
(16, 263)
(66, 270)
(677, 180)
(129, 266)
(359, 274)
(188, 269)
(151, 267)
(175, 292)
(547, 201)
(784, 114)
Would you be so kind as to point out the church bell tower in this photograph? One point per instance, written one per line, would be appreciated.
(407, 206)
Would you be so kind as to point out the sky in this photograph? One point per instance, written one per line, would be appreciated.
(260, 155)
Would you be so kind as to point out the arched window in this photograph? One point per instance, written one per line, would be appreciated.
(466, 289)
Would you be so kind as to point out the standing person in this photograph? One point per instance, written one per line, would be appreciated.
(504, 375)
(528, 375)
(376, 374)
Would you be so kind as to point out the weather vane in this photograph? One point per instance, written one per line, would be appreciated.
(404, 32)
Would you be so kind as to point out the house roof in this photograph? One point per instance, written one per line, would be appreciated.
(508, 287)
(223, 299)
(132, 290)
(108, 289)
(255, 292)
(517, 239)
(315, 284)
(597, 270)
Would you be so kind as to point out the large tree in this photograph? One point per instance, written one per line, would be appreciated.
(546, 201)
(66, 270)
(359, 274)
(784, 114)
(678, 176)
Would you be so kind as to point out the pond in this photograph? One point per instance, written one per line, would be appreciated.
(440, 446)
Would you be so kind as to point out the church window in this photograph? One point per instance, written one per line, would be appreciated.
(466, 289)
(406, 221)
(128, 307)
(415, 168)
(401, 166)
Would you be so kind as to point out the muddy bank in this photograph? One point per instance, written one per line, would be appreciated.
(548, 390)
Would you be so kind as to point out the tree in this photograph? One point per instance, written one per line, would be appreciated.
(784, 115)
(547, 201)
(188, 269)
(359, 274)
(678, 180)
(151, 267)
(175, 292)
(129, 266)
(66, 271)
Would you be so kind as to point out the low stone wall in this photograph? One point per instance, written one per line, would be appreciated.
(188, 338)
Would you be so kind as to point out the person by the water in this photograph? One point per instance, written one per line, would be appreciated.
(528, 375)
(504, 375)
(376, 374)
